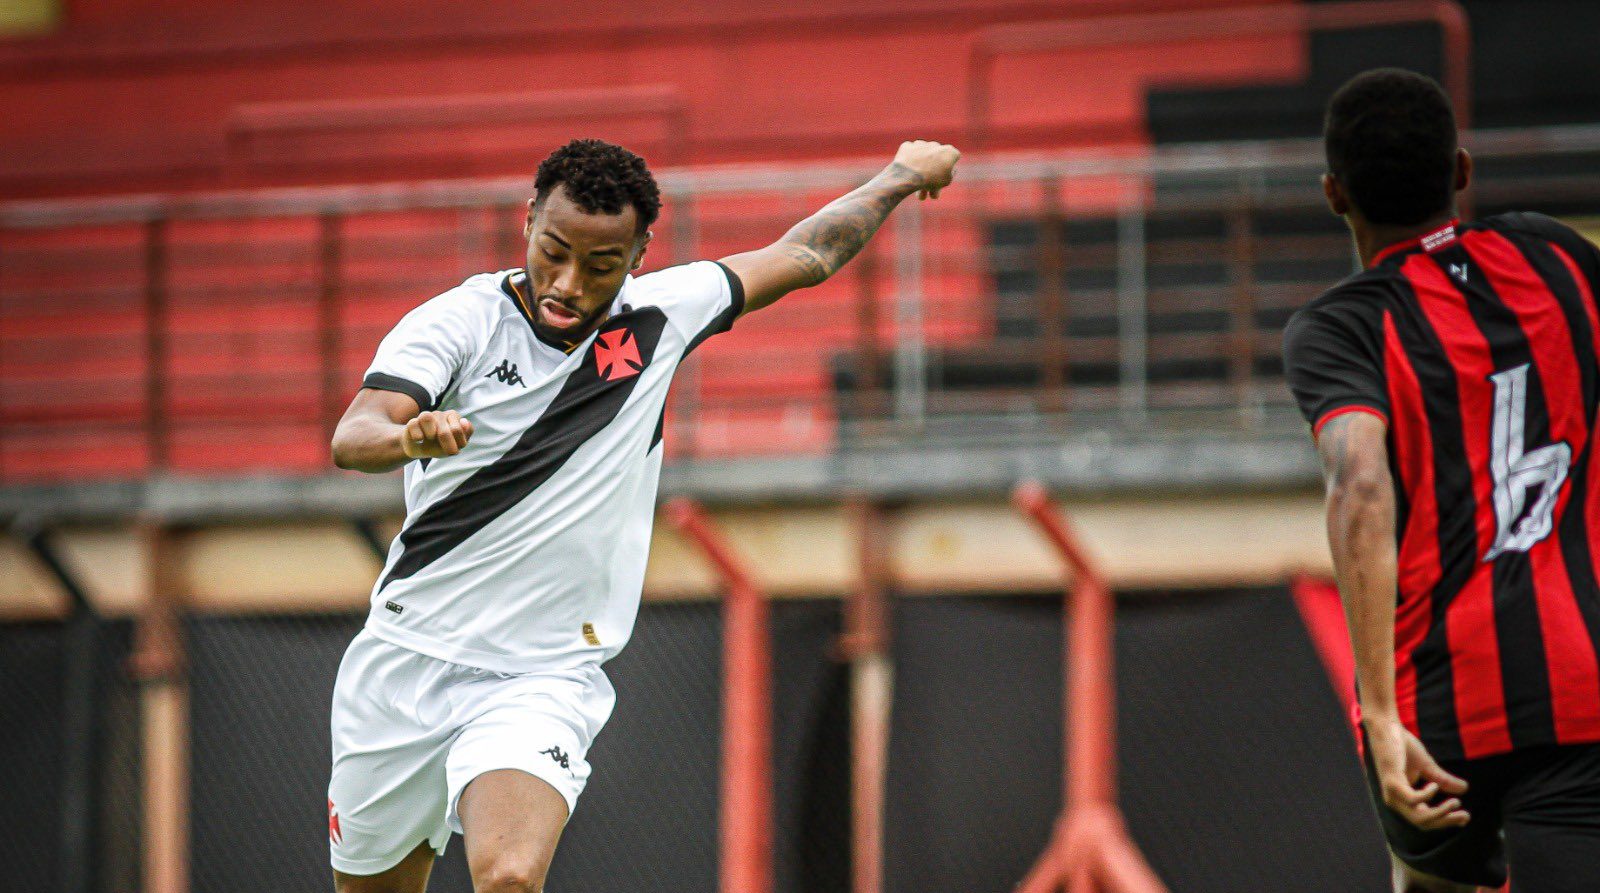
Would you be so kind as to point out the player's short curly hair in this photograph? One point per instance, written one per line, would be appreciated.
(1390, 137)
(601, 178)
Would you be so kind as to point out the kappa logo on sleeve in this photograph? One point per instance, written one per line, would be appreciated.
(616, 355)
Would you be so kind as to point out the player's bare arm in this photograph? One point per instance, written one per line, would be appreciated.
(824, 242)
(383, 430)
(1361, 519)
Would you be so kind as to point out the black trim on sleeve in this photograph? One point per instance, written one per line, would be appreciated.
(382, 381)
(735, 286)
(723, 321)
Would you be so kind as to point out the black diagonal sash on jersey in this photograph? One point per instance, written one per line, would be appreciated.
(585, 405)
(1524, 675)
(1455, 511)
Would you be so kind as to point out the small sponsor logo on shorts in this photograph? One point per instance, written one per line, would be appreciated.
(560, 757)
(588, 634)
(334, 834)
(394, 607)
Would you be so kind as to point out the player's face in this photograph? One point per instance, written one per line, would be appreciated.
(577, 262)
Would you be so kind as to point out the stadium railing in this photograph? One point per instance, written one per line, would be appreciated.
(1139, 289)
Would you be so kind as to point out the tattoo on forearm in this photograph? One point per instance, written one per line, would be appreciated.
(810, 262)
(828, 239)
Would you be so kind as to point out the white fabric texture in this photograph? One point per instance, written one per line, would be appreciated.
(410, 732)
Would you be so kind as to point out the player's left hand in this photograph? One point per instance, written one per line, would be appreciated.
(1410, 780)
(934, 162)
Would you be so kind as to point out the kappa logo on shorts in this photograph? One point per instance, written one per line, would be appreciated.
(560, 757)
(334, 834)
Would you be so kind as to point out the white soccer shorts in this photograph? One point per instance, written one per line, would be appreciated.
(410, 732)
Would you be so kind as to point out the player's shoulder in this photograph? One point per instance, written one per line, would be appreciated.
(667, 283)
(1353, 306)
(483, 298)
(1368, 291)
(1528, 223)
(491, 293)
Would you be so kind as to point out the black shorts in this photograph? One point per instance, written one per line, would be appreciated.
(1538, 808)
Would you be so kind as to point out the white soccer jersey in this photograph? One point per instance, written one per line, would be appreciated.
(526, 551)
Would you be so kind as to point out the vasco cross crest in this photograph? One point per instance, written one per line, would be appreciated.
(616, 355)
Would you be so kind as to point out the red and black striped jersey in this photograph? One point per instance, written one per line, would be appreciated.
(1477, 343)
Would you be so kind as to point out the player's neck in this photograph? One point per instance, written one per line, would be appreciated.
(1372, 238)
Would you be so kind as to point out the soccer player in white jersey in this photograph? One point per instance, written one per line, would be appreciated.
(526, 408)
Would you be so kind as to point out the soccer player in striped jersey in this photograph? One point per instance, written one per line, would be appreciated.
(526, 408)
(1452, 387)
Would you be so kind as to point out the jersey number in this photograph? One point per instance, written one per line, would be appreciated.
(1517, 473)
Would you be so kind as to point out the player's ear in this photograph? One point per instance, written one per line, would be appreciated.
(1463, 169)
(527, 223)
(1333, 192)
(644, 244)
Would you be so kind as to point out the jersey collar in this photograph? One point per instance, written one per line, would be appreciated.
(514, 286)
(1432, 241)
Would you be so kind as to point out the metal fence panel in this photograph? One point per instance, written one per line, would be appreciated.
(1238, 771)
(261, 688)
(35, 753)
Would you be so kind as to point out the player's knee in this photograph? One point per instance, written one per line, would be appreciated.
(510, 875)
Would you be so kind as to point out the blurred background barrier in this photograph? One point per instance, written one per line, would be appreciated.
(1143, 291)
(1236, 768)
(211, 212)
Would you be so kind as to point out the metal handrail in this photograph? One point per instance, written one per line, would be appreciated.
(1189, 158)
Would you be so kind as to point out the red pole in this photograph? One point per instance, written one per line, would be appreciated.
(160, 665)
(746, 822)
(865, 644)
(1090, 728)
(1090, 850)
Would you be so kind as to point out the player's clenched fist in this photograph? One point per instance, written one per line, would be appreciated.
(433, 435)
(934, 162)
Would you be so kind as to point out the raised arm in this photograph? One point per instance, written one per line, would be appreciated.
(820, 244)
(1361, 535)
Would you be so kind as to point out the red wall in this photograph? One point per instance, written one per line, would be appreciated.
(136, 95)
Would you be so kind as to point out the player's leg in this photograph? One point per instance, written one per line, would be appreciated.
(410, 876)
(518, 767)
(387, 792)
(512, 822)
(1553, 821)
